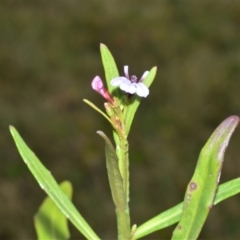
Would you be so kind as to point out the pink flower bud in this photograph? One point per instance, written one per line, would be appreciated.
(98, 86)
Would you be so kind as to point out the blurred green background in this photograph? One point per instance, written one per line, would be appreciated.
(49, 53)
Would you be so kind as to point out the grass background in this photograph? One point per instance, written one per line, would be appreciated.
(49, 53)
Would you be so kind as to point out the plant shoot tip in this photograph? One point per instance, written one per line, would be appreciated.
(11, 127)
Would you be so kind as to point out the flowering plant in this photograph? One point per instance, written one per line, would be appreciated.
(123, 94)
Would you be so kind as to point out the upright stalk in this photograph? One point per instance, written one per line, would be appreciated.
(123, 216)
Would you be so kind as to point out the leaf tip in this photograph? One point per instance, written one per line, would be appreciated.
(234, 119)
(11, 128)
(99, 132)
(225, 129)
(229, 124)
(102, 45)
(154, 69)
(102, 134)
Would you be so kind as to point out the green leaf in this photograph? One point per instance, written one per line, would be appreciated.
(97, 109)
(202, 188)
(135, 100)
(116, 185)
(114, 176)
(50, 186)
(173, 215)
(49, 221)
(109, 65)
(227, 190)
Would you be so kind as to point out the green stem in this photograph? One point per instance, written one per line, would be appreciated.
(123, 222)
(122, 153)
(123, 216)
(120, 137)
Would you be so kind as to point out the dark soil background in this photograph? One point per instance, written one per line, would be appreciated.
(49, 53)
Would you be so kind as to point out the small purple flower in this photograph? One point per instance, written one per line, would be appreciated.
(98, 86)
(131, 84)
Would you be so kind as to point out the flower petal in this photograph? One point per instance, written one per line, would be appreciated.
(126, 71)
(144, 76)
(125, 86)
(142, 90)
(118, 80)
(133, 88)
(97, 84)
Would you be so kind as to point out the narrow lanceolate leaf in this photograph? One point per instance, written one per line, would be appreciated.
(134, 101)
(227, 190)
(97, 109)
(109, 65)
(50, 186)
(114, 176)
(173, 215)
(201, 189)
(117, 189)
(49, 221)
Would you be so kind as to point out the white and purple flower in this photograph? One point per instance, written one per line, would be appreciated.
(130, 84)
